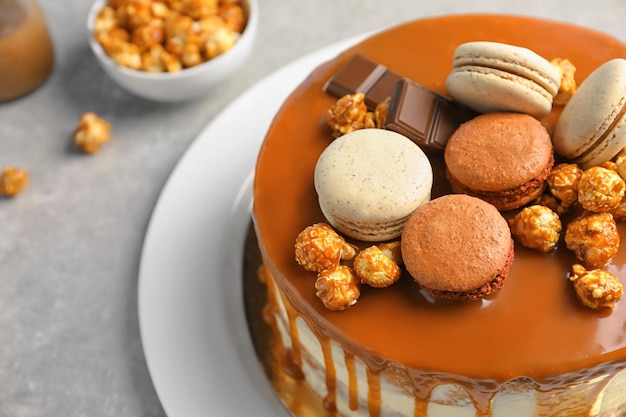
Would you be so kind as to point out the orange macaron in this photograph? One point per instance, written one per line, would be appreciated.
(503, 158)
(457, 247)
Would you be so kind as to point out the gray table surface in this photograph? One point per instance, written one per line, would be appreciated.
(70, 244)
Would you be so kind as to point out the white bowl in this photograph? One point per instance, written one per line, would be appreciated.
(187, 84)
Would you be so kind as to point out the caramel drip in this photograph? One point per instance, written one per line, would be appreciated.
(483, 399)
(374, 402)
(271, 307)
(420, 408)
(330, 401)
(292, 359)
(353, 387)
(582, 397)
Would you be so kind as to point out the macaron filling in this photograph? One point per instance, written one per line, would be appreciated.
(488, 288)
(510, 198)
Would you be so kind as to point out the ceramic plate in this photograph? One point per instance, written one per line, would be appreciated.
(191, 312)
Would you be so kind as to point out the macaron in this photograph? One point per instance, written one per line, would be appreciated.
(457, 247)
(592, 127)
(494, 76)
(502, 158)
(369, 182)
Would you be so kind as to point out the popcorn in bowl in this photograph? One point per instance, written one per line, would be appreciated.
(172, 50)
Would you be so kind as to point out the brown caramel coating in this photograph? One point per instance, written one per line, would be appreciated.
(566, 337)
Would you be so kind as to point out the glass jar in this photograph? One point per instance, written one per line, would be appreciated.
(26, 52)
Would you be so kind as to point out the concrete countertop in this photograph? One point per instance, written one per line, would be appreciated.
(70, 244)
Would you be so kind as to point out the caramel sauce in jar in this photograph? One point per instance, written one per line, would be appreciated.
(26, 51)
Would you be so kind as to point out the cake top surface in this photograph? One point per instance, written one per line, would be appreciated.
(399, 323)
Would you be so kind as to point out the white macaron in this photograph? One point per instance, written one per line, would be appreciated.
(370, 181)
(493, 76)
(592, 127)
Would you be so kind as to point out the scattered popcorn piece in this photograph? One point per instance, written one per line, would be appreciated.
(563, 183)
(319, 247)
(536, 227)
(337, 287)
(349, 113)
(375, 268)
(600, 189)
(619, 212)
(551, 202)
(12, 181)
(596, 288)
(593, 238)
(381, 111)
(392, 250)
(620, 163)
(91, 133)
(568, 87)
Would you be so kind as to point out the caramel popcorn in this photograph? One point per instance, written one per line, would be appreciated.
(620, 163)
(381, 111)
(337, 287)
(319, 247)
(596, 288)
(190, 31)
(375, 268)
(536, 227)
(349, 113)
(550, 201)
(568, 87)
(91, 133)
(619, 212)
(392, 250)
(563, 183)
(593, 238)
(600, 189)
(12, 181)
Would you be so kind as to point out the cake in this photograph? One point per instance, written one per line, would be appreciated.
(531, 349)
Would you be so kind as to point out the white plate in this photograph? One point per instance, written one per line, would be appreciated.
(191, 313)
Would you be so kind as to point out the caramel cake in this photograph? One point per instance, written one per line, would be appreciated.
(531, 349)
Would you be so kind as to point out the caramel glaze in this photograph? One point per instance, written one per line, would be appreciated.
(534, 329)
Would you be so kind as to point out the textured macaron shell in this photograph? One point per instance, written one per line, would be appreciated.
(592, 127)
(370, 181)
(493, 76)
(498, 151)
(456, 243)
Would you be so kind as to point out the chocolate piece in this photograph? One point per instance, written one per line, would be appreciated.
(362, 75)
(382, 89)
(424, 116)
